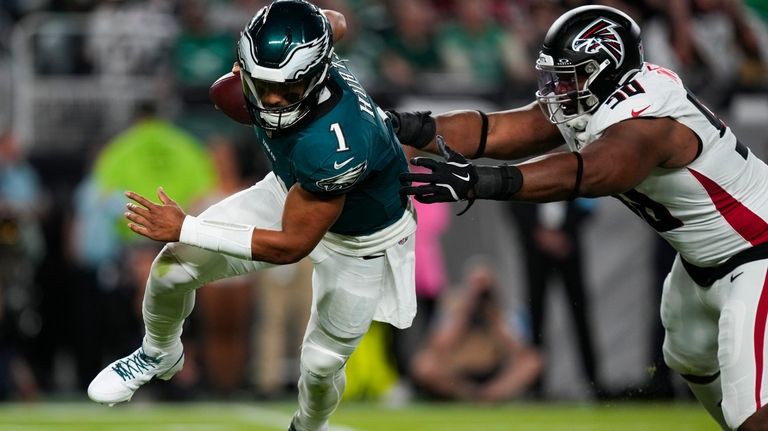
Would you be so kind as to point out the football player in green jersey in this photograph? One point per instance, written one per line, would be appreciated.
(332, 195)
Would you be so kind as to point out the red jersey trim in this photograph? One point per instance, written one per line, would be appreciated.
(759, 341)
(746, 223)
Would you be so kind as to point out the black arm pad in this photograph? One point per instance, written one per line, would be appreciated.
(497, 182)
(415, 129)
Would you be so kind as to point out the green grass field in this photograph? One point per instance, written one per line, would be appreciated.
(240, 416)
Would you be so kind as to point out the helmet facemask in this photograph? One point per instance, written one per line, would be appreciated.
(298, 97)
(564, 91)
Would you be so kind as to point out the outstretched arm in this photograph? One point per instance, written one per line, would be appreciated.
(306, 218)
(619, 160)
(511, 134)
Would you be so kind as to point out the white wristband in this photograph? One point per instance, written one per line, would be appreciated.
(229, 238)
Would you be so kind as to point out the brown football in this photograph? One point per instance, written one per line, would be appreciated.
(226, 93)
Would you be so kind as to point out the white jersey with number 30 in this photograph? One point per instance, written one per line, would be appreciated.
(709, 210)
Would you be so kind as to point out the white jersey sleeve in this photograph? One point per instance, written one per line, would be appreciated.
(710, 209)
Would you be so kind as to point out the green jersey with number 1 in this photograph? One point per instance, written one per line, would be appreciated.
(347, 146)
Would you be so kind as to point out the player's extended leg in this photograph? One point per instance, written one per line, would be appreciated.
(177, 271)
(346, 293)
(742, 350)
(690, 342)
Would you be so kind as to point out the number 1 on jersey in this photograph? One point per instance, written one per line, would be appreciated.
(336, 128)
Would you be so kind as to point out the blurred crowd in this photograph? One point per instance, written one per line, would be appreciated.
(106, 95)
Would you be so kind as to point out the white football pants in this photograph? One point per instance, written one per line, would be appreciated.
(348, 292)
(720, 329)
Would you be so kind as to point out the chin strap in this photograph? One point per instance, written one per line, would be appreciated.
(578, 126)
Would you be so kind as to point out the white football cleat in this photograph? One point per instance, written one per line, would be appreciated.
(119, 380)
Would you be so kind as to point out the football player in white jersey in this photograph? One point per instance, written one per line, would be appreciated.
(636, 133)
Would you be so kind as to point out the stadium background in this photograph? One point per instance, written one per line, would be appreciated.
(73, 71)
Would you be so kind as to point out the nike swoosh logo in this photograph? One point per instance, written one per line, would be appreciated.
(637, 113)
(463, 178)
(734, 277)
(342, 164)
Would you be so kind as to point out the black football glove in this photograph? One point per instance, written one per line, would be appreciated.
(415, 129)
(450, 181)
(456, 179)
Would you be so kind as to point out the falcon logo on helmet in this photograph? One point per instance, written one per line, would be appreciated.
(600, 35)
(587, 54)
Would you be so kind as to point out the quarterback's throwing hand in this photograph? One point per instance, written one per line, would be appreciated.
(161, 222)
(450, 181)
